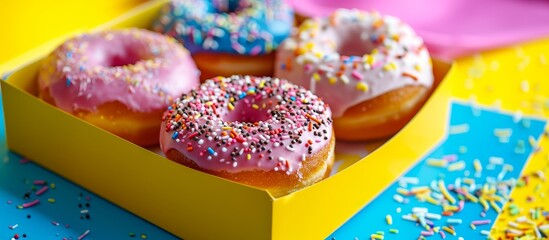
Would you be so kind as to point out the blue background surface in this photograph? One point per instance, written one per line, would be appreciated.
(107, 221)
(481, 144)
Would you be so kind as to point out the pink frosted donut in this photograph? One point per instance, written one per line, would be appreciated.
(372, 70)
(260, 131)
(119, 80)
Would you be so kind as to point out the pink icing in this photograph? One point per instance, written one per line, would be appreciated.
(143, 70)
(453, 28)
(247, 123)
(353, 56)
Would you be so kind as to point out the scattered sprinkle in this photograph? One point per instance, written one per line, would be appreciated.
(83, 235)
(29, 204)
(459, 129)
(457, 166)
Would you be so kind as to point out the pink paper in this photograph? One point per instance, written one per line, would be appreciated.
(453, 28)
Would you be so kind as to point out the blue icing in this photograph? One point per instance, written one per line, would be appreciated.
(249, 27)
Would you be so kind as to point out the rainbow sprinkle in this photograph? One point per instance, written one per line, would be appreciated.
(258, 123)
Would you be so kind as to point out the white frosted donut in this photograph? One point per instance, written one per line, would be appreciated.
(353, 57)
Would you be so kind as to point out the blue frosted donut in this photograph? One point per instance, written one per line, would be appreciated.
(244, 27)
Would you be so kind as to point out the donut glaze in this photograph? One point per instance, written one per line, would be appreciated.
(353, 56)
(143, 70)
(248, 124)
(120, 80)
(243, 27)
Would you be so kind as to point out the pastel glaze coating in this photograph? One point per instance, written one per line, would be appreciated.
(244, 27)
(143, 70)
(353, 56)
(247, 123)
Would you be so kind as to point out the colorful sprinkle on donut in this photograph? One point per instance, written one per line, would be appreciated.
(361, 54)
(245, 123)
(245, 27)
(136, 67)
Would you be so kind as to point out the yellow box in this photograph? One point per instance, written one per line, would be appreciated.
(192, 204)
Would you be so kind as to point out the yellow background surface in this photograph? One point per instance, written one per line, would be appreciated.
(514, 79)
(30, 23)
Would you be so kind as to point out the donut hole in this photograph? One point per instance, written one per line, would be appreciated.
(244, 112)
(123, 58)
(117, 54)
(227, 6)
(353, 45)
